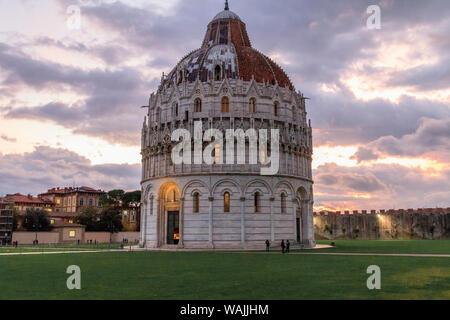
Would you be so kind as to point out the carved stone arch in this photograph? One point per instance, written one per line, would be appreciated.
(232, 181)
(269, 189)
(196, 191)
(287, 185)
(146, 193)
(302, 194)
(190, 183)
(225, 190)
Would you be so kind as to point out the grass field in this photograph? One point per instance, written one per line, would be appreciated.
(216, 275)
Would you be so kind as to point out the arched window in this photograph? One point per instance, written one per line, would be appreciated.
(252, 105)
(283, 203)
(196, 202)
(257, 202)
(180, 77)
(198, 105)
(276, 107)
(218, 73)
(225, 105)
(226, 202)
(173, 196)
(151, 205)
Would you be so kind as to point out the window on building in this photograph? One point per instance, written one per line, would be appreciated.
(218, 73)
(70, 221)
(196, 202)
(217, 153)
(81, 202)
(257, 202)
(172, 196)
(226, 202)
(175, 109)
(151, 204)
(252, 105)
(91, 202)
(276, 107)
(52, 221)
(283, 203)
(72, 233)
(225, 105)
(198, 105)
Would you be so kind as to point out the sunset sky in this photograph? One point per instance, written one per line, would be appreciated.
(380, 99)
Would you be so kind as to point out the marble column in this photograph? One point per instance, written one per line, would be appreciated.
(211, 222)
(294, 214)
(181, 242)
(272, 226)
(243, 222)
(144, 224)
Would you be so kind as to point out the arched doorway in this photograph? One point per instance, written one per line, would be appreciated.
(169, 215)
(302, 214)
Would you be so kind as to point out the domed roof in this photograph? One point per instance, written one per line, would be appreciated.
(227, 46)
(226, 14)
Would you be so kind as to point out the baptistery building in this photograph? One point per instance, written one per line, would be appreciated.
(226, 85)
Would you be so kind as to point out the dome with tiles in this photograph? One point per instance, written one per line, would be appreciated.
(226, 52)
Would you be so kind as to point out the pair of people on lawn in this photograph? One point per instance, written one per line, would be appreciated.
(285, 246)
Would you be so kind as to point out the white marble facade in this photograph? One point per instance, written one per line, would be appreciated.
(203, 206)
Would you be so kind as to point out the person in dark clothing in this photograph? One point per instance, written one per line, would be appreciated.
(288, 246)
(283, 246)
(267, 245)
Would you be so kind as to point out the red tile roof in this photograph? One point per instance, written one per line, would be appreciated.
(20, 198)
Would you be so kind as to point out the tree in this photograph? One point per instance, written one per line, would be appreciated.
(36, 220)
(89, 217)
(116, 195)
(134, 196)
(111, 219)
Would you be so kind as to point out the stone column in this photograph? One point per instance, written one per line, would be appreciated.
(211, 225)
(294, 213)
(181, 242)
(243, 222)
(144, 224)
(272, 226)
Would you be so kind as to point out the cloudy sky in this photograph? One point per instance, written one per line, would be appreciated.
(380, 99)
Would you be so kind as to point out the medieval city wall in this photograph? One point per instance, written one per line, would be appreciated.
(383, 225)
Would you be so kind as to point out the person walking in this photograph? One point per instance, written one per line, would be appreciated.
(267, 245)
(283, 246)
(288, 246)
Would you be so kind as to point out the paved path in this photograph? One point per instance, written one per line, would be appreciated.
(228, 251)
(33, 253)
(376, 254)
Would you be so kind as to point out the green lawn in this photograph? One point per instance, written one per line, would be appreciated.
(389, 246)
(216, 275)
